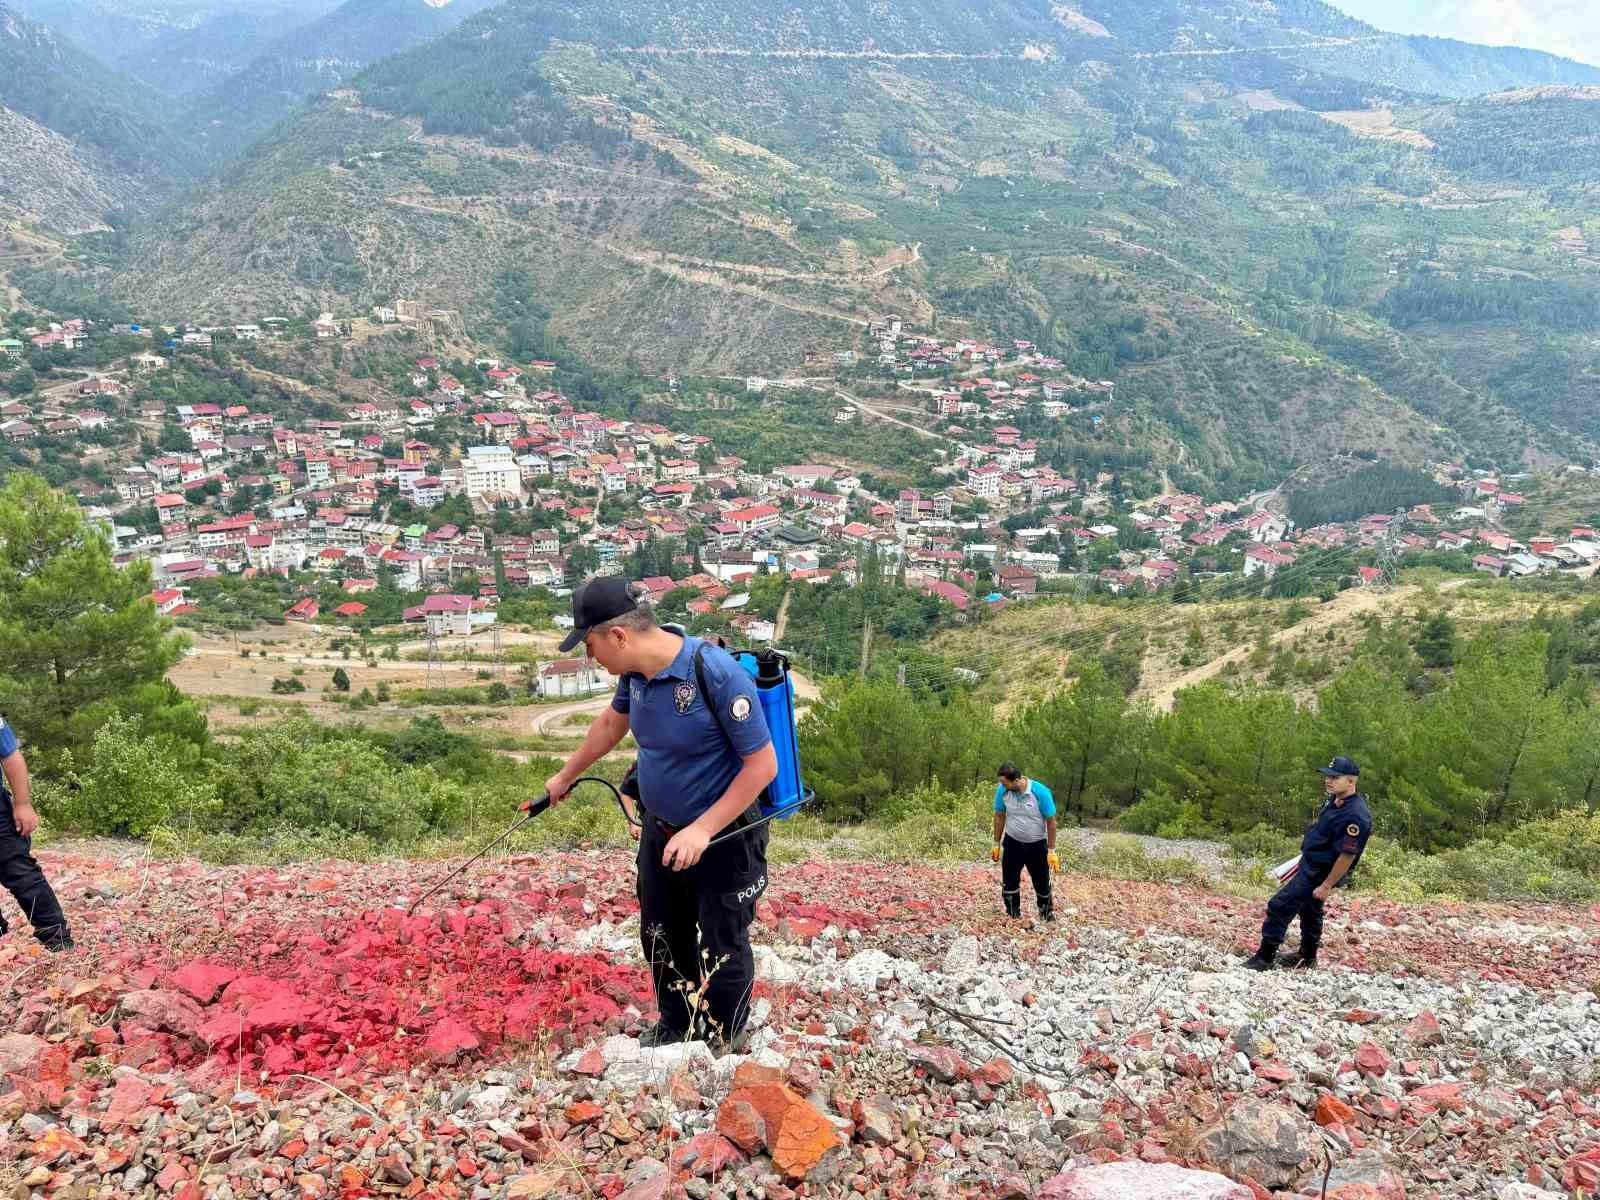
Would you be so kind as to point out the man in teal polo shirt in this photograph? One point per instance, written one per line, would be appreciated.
(1024, 836)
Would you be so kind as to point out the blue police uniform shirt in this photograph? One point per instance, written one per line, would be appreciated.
(1338, 829)
(8, 747)
(685, 761)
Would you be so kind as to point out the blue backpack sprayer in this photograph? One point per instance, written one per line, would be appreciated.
(782, 798)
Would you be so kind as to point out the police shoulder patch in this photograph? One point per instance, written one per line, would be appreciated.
(1353, 830)
(739, 710)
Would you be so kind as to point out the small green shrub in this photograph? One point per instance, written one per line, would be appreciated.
(1156, 808)
(1262, 842)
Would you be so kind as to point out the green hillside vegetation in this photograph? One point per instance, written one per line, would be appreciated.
(1312, 38)
(1294, 642)
(1462, 756)
(178, 46)
(65, 90)
(1375, 488)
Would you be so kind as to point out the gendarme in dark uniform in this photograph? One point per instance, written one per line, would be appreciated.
(1332, 846)
(705, 755)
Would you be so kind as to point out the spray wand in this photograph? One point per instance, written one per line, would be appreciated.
(538, 806)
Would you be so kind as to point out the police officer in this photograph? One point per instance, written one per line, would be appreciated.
(1024, 836)
(705, 756)
(1333, 844)
(19, 871)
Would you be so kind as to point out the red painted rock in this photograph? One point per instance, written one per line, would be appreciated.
(172, 1176)
(656, 1187)
(448, 1040)
(796, 1135)
(1371, 1060)
(584, 1112)
(592, 1062)
(1274, 1072)
(1423, 1030)
(1142, 1181)
(129, 1101)
(1445, 1095)
(1581, 1172)
(99, 993)
(741, 1124)
(1331, 1110)
(799, 929)
(997, 1072)
(203, 981)
(58, 1142)
(943, 1063)
(1362, 1016)
(162, 1012)
(20, 1054)
(707, 1154)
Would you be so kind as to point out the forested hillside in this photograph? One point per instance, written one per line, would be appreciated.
(309, 60)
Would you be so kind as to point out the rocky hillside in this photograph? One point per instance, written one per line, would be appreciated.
(111, 123)
(53, 184)
(906, 1042)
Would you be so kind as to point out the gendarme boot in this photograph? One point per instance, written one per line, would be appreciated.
(1262, 959)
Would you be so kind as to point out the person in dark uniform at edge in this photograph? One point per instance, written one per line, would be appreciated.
(1024, 836)
(702, 765)
(19, 870)
(1331, 847)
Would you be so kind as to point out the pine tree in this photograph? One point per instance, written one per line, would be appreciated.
(1436, 641)
(78, 636)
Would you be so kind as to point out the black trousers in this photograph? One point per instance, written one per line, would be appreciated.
(694, 926)
(1292, 900)
(1035, 856)
(20, 875)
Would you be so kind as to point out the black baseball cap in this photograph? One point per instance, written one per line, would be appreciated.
(604, 598)
(1339, 766)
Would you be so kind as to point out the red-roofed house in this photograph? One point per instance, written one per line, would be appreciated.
(949, 592)
(1489, 564)
(1261, 560)
(170, 601)
(303, 610)
(351, 608)
(757, 519)
(452, 613)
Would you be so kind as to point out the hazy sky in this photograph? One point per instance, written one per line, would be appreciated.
(1566, 27)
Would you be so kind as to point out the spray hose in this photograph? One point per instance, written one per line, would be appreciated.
(543, 802)
(727, 835)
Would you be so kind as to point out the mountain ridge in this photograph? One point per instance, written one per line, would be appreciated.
(1246, 276)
